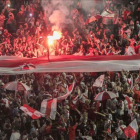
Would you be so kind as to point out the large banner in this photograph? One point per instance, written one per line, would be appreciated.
(10, 64)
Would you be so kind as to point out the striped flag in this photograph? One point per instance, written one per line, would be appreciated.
(49, 108)
(99, 81)
(69, 91)
(129, 103)
(131, 130)
(130, 81)
(31, 112)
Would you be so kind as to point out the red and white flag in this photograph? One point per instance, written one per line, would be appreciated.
(31, 112)
(130, 81)
(99, 81)
(131, 130)
(69, 91)
(137, 79)
(129, 103)
(49, 108)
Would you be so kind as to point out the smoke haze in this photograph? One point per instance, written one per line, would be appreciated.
(58, 12)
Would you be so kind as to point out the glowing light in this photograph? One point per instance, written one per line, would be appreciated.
(30, 14)
(56, 36)
(50, 40)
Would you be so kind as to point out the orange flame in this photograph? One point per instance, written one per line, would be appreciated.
(56, 36)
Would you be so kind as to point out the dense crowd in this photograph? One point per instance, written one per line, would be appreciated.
(24, 28)
(79, 116)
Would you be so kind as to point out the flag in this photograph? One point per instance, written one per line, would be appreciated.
(98, 17)
(130, 81)
(31, 112)
(137, 79)
(69, 91)
(129, 103)
(105, 13)
(131, 130)
(92, 19)
(49, 107)
(99, 81)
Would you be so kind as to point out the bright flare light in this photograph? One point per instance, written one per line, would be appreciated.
(56, 36)
(50, 40)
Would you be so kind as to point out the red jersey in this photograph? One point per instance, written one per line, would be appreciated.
(72, 132)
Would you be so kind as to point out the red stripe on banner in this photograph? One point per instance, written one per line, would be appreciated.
(37, 115)
(129, 102)
(20, 87)
(6, 85)
(85, 96)
(48, 109)
(70, 87)
(129, 132)
(17, 62)
(29, 108)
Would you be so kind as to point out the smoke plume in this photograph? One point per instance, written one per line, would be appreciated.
(58, 12)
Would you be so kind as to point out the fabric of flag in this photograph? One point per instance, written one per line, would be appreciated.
(132, 129)
(137, 79)
(98, 17)
(105, 95)
(49, 108)
(99, 81)
(105, 13)
(16, 86)
(31, 112)
(69, 91)
(116, 20)
(92, 19)
(129, 103)
(130, 81)
(87, 21)
(70, 63)
(25, 67)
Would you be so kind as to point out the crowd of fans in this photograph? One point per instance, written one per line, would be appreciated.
(24, 28)
(23, 32)
(86, 119)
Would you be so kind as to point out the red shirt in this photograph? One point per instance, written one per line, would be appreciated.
(72, 132)
(137, 49)
(48, 129)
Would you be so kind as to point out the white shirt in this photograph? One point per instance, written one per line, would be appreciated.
(15, 136)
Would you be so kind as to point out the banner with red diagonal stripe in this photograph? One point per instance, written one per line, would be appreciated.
(70, 89)
(31, 112)
(49, 108)
(132, 129)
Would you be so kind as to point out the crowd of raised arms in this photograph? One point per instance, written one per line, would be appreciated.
(24, 28)
(80, 116)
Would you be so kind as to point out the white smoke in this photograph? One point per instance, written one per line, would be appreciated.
(58, 12)
(90, 5)
(87, 5)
